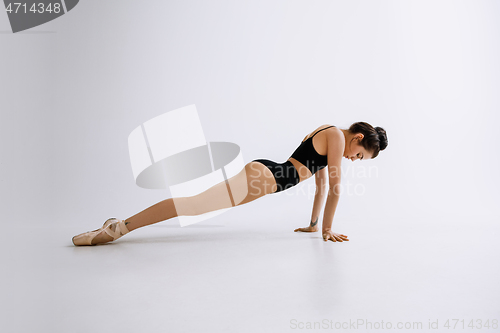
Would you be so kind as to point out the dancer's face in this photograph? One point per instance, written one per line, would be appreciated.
(354, 151)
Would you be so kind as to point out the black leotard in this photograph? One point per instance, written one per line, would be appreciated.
(285, 173)
(307, 155)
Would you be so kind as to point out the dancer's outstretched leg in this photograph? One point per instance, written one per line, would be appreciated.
(255, 181)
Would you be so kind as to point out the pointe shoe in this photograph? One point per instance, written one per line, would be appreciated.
(87, 237)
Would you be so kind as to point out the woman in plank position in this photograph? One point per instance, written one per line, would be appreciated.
(319, 154)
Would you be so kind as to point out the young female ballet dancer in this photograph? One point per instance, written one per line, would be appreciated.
(319, 154)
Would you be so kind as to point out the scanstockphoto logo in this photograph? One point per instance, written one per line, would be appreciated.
(25, 15)
(171, 151)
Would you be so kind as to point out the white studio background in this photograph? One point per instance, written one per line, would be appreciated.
(262, 74)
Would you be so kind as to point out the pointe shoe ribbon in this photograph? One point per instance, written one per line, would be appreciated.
(120, 230)
(87, 237)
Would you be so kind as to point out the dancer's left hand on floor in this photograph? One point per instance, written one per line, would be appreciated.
(307, 229)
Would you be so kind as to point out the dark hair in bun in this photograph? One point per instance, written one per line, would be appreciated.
(375, 139)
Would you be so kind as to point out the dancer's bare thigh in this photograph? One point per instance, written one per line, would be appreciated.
(256, 178)
(252, 182)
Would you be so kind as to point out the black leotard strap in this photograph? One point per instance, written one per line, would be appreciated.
(321, 130)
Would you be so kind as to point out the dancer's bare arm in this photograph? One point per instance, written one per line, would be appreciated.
(335, 150)
(321, 178)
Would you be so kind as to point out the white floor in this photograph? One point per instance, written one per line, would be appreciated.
(246, 271)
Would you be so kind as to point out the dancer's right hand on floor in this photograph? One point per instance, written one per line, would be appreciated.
(307, 229)
(333, 236)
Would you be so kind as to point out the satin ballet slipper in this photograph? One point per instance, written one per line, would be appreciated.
(87, 237)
